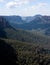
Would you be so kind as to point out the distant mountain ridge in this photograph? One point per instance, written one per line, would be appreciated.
(26, 19)
(38, 22)
(14, 19)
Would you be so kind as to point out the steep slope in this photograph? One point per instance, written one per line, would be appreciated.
(7, 53)
(3, 24)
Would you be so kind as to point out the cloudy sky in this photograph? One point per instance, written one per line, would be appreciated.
(24, 7)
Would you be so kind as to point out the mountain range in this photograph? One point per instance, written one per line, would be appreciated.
(38, 23)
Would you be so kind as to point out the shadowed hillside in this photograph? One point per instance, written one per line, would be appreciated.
(2, 26)
(29, 54)
(7, 54)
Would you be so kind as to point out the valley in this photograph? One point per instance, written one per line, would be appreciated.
(30, 39)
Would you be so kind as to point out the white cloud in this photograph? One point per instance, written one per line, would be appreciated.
(24, 0)
(11, 4)
(1, 0)
(35, 9)
(39, 5)
(16, 3)
(24, 7)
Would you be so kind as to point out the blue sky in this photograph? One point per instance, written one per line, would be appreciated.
(24, 7)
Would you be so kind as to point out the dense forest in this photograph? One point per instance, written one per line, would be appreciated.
(28, 54)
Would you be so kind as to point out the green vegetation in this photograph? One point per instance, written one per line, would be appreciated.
(26, 36)
(29, 54)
